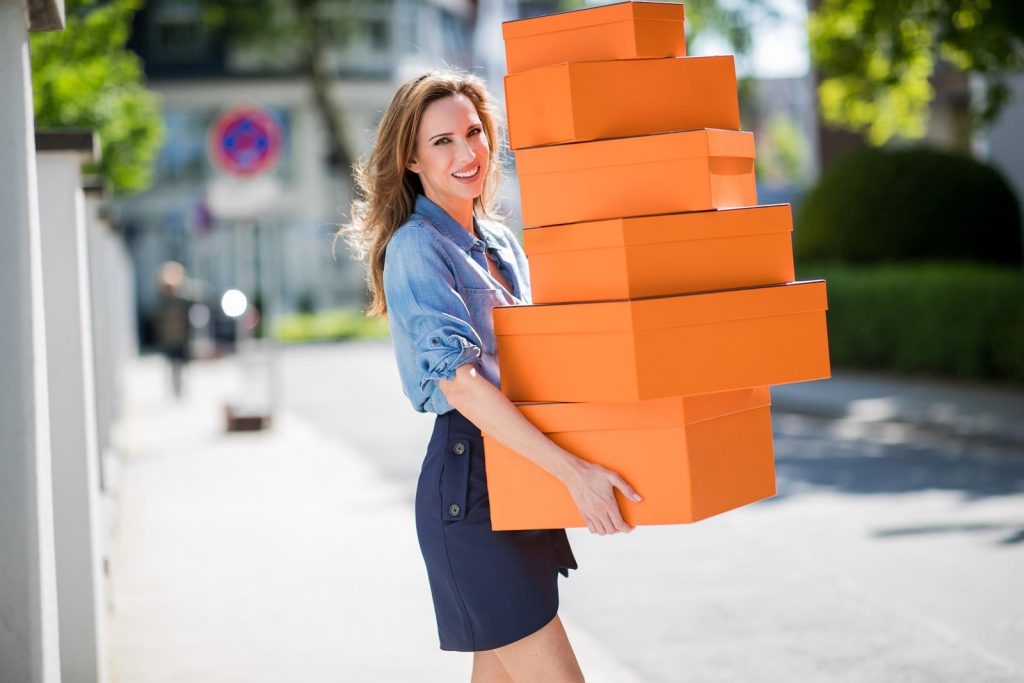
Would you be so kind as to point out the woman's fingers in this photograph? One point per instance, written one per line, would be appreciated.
(607, 520)
(618, 522)
(624, 486)
(614, 514)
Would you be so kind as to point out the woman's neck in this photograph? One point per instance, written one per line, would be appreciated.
(459, 209)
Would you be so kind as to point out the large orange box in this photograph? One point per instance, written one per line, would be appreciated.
(622, 30)
(663, 346)
(677, 253)
(688, 457)
(674, 172)
(580, 101)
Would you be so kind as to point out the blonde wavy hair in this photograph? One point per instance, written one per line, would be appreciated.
(387, 190)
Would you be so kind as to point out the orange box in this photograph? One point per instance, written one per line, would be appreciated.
(688, 457)
(676, 253)
(579, 101)
(623, 30)
(663, 346)
(692, 170)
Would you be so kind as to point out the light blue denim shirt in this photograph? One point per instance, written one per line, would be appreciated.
(440, 294)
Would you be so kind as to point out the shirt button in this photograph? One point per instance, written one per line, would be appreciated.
(459, 448)
(454, 509)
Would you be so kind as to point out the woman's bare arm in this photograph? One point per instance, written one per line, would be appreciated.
(590, 484)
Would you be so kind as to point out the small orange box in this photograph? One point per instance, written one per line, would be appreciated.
(580, 101)
(663, 346)
(677, 253)
(692, 170)
(688, 457)
(622, 30)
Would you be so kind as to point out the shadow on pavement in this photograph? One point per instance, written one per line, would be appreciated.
(808, 457)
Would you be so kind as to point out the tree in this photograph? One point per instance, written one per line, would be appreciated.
(84, 76)
(879, 60)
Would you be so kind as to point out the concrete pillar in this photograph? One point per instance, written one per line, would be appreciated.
(81, 581)
(29, 640)
(112, 295)
(103, 356)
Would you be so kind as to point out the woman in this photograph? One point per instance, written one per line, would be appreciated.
(438, 263)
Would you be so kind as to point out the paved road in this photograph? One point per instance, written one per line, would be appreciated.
(887, 555)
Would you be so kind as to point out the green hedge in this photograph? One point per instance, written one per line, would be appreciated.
(942, 319)
(902, 205)
(328, 325)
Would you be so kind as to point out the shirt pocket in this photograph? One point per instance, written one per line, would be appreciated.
(480, 301)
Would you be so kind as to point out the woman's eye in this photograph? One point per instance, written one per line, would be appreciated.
(475, 130)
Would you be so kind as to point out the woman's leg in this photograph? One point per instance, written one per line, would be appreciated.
(544, 656)
(487, 668)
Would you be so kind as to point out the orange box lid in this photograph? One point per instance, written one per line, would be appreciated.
(656, 312)
(592, 16)
(658, 228)
(580, 101)
(637, 149)
(651, 414)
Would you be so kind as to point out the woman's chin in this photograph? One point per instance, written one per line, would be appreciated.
(467, 191)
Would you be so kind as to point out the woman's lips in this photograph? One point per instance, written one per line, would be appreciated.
(471, 178)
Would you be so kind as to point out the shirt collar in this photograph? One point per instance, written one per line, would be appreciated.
(447, 225)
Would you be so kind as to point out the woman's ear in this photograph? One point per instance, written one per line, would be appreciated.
(413, 165)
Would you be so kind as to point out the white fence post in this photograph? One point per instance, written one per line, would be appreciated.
(74, 444)
(29, 637)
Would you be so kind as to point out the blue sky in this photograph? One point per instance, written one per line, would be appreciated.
(780, 47)
(780, 50)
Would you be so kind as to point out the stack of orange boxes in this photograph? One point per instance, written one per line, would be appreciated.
(664, 299)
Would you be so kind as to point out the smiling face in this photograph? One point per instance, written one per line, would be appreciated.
(452, 152)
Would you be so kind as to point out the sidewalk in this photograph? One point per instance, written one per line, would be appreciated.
(962, 409)
(277, 556)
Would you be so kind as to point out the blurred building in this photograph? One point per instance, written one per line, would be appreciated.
(374, 45)
(199, 72)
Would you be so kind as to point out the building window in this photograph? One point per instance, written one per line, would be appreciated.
(178, 32)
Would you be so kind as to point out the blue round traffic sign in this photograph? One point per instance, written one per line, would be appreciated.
(245, 141)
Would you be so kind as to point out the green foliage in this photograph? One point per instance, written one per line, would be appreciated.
(876, 58)
(941, 319)
(328, 325)
(782, 152)
(84, 76)
(877, 205)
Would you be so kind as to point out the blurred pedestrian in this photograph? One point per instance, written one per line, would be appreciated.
(172, 328)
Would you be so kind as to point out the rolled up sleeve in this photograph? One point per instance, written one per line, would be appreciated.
(425, 305)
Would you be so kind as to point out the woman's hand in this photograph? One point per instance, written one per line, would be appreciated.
(592, 487)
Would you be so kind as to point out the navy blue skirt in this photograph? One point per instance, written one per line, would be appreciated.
(490, 588)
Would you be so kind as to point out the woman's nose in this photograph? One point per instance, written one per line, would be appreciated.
(464, 153)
